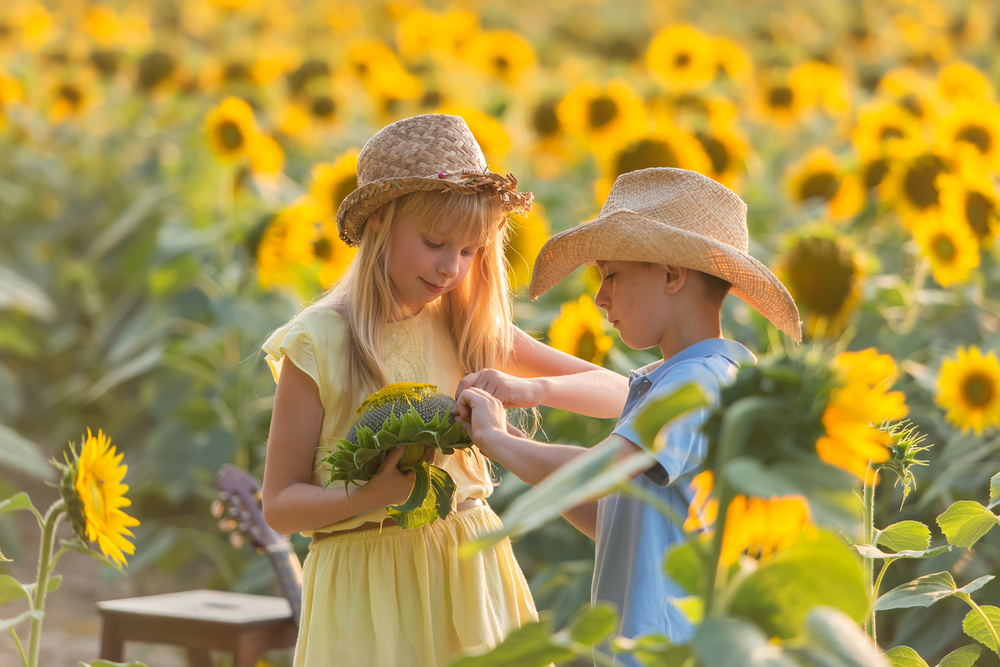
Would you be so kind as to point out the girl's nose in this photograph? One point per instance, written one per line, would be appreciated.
(448, 266)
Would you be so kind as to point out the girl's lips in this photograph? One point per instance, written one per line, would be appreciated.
(434, 289)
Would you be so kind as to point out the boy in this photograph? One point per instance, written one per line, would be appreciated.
(670, 244)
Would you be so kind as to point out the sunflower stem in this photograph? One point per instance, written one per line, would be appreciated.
(869, 537)
(735, 429)
(912, 305)
(20, 649)
(45, 565)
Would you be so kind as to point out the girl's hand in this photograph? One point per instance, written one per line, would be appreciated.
(391, 483)
(511, 391)
(484, 415)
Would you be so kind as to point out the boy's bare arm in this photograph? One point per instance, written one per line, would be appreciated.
(542, 375)
(531, 461)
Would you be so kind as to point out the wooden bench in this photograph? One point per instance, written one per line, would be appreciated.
(200, 621)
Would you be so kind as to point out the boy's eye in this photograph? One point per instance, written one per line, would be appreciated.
(609, 277)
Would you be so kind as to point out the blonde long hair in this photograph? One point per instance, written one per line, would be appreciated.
(476, 313)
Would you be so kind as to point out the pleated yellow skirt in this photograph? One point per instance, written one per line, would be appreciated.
(404, 597)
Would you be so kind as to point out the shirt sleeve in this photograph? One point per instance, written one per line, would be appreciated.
(292, 341)
(686, 445)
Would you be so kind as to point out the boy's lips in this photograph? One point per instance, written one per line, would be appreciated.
(431, 287)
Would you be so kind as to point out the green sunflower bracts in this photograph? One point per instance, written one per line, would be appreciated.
(416, 416)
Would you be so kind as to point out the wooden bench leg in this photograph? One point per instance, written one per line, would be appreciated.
(198, 657)
(112, 644)
(246, 650)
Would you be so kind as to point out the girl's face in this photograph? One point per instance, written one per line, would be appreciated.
(423, 265)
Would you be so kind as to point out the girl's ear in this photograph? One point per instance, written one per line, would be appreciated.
(375, 221)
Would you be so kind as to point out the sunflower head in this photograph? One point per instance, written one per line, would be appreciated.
(950, 246)
(824, 276)
(969, 389)
(667, 147)
(818, 177)
(602, 114)
(683, 58)
(230, 129)
(333, 181)
(579, 330)
(91, 486)
(154, 70)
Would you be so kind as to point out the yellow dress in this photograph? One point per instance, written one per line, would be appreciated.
(398, 597)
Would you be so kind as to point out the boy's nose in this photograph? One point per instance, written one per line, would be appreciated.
(603, 300)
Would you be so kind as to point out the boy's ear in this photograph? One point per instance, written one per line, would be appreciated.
(674, 278)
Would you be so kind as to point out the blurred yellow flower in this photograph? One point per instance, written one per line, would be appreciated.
(266, 156)
(723, 143)
(962, 82)
(420, 31)
(776, 100)
(824, 277)
(528, 234)
(856, 408)
(880, 124)
(969, 389)
(910, 185)
(665, 147)
(974, 127)
(912, 91)
(951, 248)
(757, 526)
(10, 91)
(99, 486)
(33, 21)
(288, 242)
(969, 198)
(332, 182)
(733, 60)
(230, 129)
(683, 58)
(377, 66)
(156, 71)
(820, 84)
(818, 178)
(503, 54)
(602, 115)
(335, 256)
(579, 330)
(69, 100)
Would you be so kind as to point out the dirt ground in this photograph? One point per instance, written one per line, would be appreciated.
(71, 631)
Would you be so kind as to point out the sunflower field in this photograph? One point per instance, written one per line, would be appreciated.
(170, 171)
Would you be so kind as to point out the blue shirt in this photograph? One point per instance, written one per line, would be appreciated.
(633, 537)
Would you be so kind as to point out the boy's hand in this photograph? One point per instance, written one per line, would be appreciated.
(484, 416)
(512, 392)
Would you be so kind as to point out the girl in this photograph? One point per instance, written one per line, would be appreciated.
(426, 299)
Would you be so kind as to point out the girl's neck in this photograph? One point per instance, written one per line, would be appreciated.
(405, 312)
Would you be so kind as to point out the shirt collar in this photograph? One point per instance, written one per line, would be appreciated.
(722, 347)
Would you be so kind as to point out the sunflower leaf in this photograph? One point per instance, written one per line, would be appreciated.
(994, 491)
(20, 618)
(965, 522)
(962, 657)
(386, 439)
(904, 656)
(19, 501)
(409, 426)
(904, 536)
(436, 503)
(4, 558)
(921, 592)
(976, 627)
(77, 546)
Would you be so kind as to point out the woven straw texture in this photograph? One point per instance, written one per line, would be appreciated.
(429, 152)
(671, 216)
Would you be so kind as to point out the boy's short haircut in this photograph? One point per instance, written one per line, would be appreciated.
(715, 288)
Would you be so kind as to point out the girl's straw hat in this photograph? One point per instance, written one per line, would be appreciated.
(430, 152)
(671, 216)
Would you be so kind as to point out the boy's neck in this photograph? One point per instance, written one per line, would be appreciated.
(685, 334)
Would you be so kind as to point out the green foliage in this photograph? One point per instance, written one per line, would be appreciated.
(816, 571)
(965, 522)
(903, 536)
(983, 625)
(925, 591)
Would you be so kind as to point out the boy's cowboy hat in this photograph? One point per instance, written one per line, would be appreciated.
(671, 216)
(430, 152)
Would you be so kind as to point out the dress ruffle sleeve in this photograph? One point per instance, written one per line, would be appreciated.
(295, 342)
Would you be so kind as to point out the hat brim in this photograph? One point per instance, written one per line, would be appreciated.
(624, 235)
(365, 200)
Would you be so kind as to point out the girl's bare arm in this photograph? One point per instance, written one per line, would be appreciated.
(542, 375)
(291, 502)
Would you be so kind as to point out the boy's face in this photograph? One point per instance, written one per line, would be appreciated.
(636, 297)
(425, 265)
